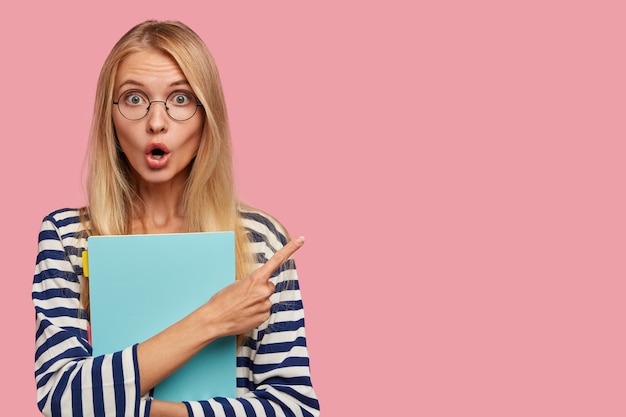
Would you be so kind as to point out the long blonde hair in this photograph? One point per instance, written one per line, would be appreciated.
(209, 202)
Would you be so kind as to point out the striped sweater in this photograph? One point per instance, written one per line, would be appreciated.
(273, 375)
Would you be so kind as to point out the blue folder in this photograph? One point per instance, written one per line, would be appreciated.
(141, 284)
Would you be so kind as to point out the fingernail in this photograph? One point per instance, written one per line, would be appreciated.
(300, 240)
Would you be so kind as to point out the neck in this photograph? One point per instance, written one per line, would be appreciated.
(162, 210)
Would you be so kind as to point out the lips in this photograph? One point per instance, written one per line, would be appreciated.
(157, 155)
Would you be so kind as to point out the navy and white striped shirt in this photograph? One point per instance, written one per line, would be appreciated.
(273, 374)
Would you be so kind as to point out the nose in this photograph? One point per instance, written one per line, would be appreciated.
(157, 117)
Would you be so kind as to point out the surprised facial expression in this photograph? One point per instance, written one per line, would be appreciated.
(159, 145)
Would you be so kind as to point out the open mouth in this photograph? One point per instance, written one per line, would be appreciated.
(157, 153)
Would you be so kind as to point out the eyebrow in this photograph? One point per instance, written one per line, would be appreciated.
(136, 83)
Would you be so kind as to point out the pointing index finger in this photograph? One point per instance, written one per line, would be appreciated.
(281, 256)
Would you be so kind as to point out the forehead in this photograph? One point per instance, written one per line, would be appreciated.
(150, 69)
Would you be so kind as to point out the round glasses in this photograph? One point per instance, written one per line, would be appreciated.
(180, 105)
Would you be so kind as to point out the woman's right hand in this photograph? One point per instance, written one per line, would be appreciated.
(245, 304)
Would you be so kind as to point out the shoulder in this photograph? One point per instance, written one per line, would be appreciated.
(66, 222)
(63, 216)
(62, 237)
(263, 228)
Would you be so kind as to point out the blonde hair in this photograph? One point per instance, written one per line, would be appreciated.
(209, 202)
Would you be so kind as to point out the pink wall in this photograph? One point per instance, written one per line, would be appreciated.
(457, 168)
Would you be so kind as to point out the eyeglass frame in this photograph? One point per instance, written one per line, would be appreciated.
(117, 103)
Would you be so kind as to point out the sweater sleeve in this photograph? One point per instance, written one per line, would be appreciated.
(273, 372)
(70, 382)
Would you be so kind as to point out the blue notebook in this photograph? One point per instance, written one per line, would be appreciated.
(141, 284)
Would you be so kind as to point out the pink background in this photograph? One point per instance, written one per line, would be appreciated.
(456, 166)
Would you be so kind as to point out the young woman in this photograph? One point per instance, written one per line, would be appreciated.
(160, 162)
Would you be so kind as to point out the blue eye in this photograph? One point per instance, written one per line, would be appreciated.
(134, 98)
(181, 98)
